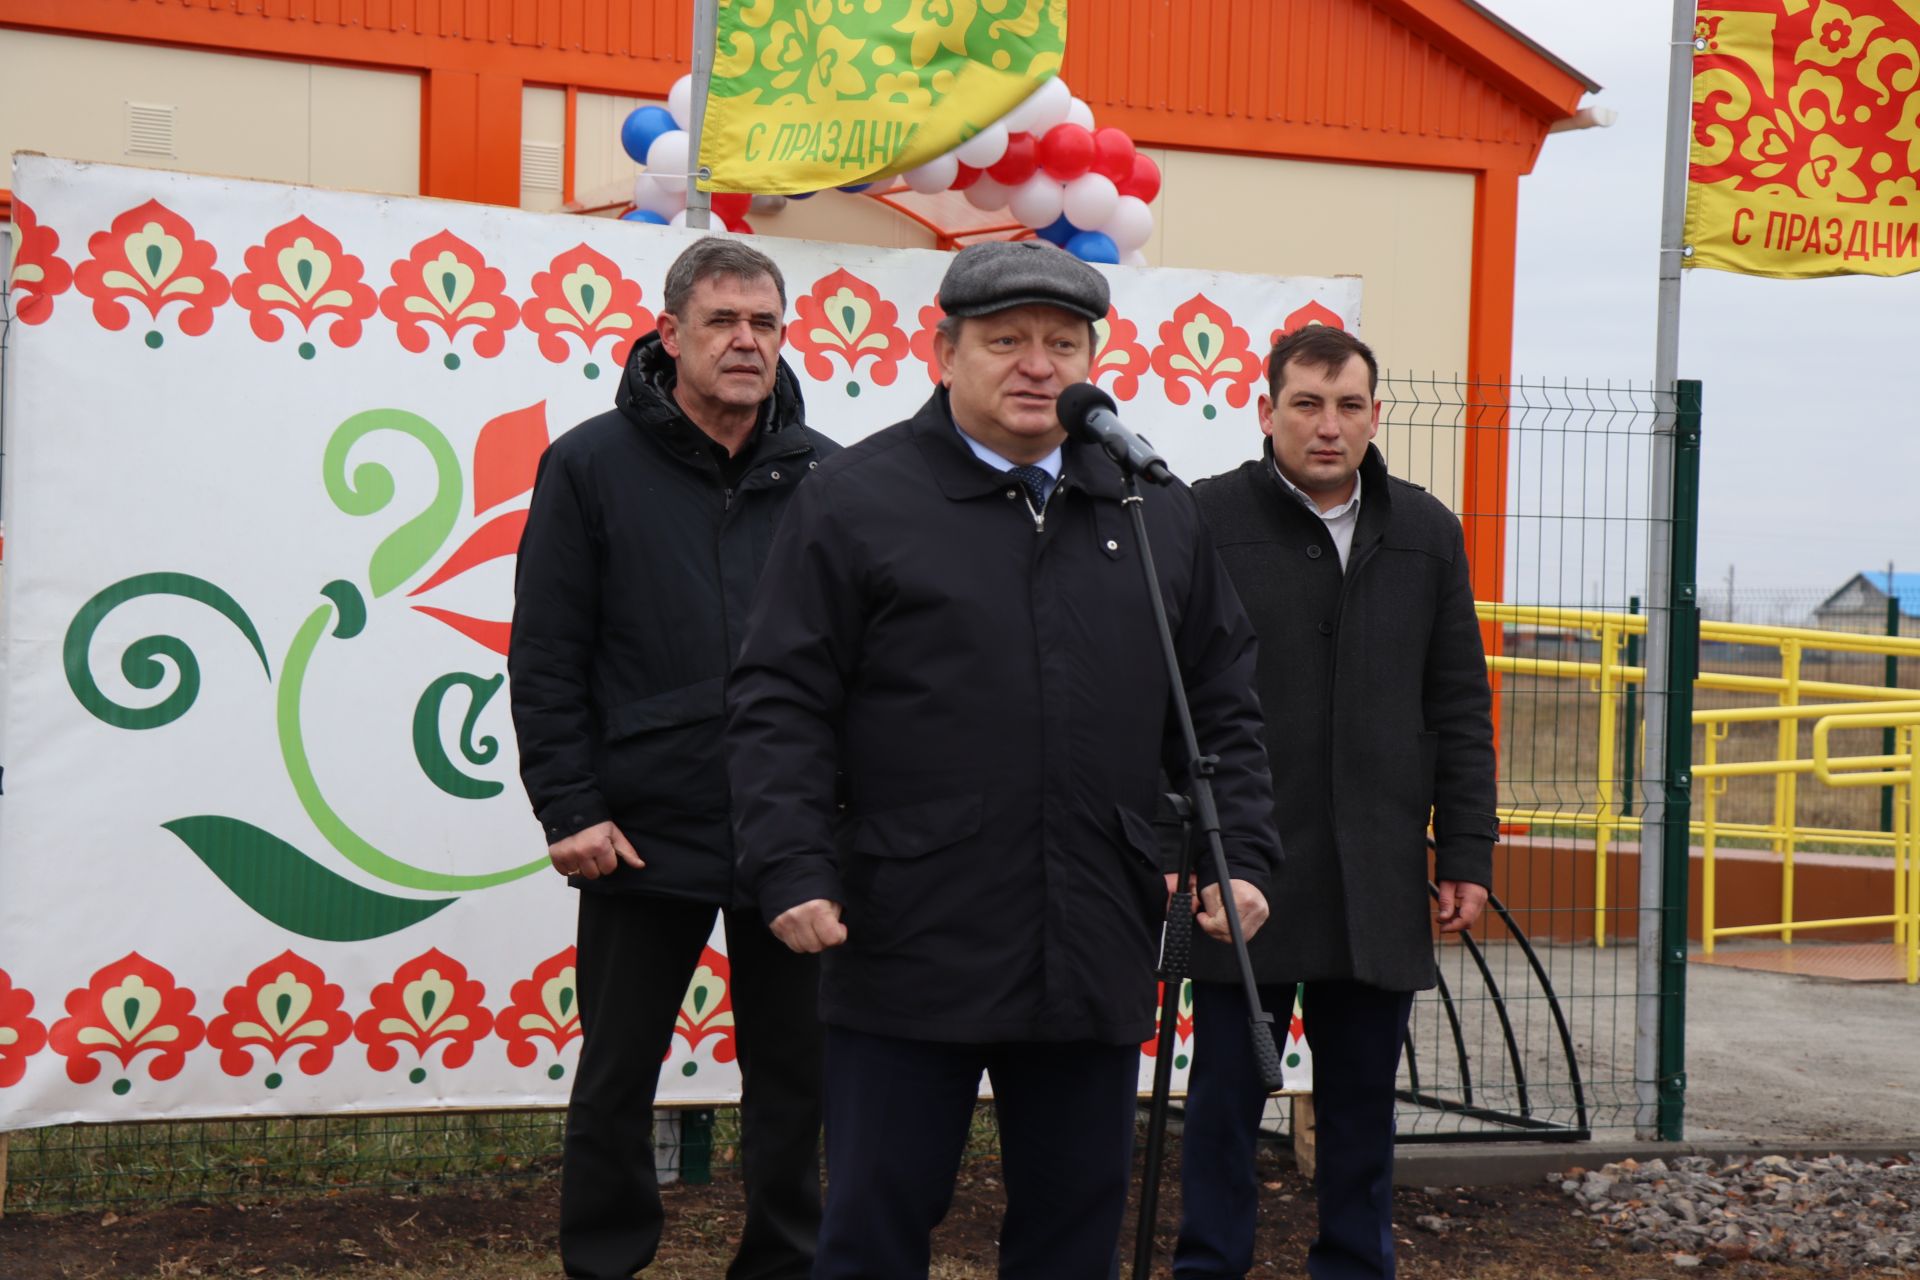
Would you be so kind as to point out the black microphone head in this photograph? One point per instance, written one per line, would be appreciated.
(1076, 402)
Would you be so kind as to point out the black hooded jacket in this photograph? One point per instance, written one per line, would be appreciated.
(640, 556)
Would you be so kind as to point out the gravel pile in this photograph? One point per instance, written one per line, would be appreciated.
(1833, 1212)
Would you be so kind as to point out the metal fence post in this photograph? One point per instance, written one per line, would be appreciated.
(1630, 716)
(1893, 682)
(1683, 661)
(696, 1147)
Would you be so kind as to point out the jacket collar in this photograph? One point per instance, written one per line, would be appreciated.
(961, 475)
(1376, 501)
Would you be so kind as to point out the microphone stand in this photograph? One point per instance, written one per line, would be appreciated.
(1176, 941)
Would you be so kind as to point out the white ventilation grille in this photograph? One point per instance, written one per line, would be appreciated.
(150, 130)
(540, 164)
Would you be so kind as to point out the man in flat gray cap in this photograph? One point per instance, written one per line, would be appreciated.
(946, 733)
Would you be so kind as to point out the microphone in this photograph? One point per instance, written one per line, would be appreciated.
(1088, 415)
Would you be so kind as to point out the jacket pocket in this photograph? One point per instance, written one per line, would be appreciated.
(916, 829)
(1140, 837)
(665, 753)
(685, 705)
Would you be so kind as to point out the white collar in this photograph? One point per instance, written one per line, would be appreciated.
(1352, 504)
(1049, 464)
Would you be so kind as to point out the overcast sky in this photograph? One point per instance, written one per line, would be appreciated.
(1811, 463)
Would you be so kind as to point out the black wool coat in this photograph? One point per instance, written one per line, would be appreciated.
(630, 599)
(953, 723)
(1374, 684)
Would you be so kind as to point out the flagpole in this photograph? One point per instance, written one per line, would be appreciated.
(1653, 774)
(705, 20)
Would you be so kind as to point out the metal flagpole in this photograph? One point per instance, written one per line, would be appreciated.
(1653, 773)
(706, 16)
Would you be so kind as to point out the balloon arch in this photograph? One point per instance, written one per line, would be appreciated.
(1086, 189)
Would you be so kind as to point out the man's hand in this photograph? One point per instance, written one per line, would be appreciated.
(593, 853)
(1252, 905)
(811, 927)
(1459, 905)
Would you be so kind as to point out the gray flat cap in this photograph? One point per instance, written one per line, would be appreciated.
(999, 274)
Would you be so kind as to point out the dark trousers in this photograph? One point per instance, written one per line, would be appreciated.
(636, 956)
(898, 1115)
(1355, 1033)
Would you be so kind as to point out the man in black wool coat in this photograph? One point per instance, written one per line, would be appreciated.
(948, 728)
(1373, 681)
(647, 533)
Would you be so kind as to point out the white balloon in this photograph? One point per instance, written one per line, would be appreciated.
(1017, 120)
(986, 194)
(668, 154)
(678, 220)
(1089, 201)
(1037, 201)
(984, 149)
(664, 196)
(680, 101)
(936, 174)
(1131, 223)
(1078, 112)
(1048, 106)
(1133, 258)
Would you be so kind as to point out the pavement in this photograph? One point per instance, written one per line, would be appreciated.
(1776, 1063)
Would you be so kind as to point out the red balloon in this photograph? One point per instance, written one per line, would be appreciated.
(731, 206)
(1021, 162)
(967, 176)
(1113, 154)
(1066, 152)
(739, 226)
(1144, 181)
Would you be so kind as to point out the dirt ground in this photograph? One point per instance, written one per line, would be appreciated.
(1489, 1233)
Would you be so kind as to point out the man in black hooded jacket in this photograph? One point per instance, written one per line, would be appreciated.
(648, 530)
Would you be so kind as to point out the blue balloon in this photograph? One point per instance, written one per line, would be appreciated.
(1059, 231)
(641, 127)
(643, 215)
(1094, 246)
(856, 188)
(803, 195)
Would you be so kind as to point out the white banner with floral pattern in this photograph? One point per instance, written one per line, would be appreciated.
(263, 847)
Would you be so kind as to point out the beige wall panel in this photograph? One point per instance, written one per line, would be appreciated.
(543, 126)
(233, 116)
(851, 219)
(366, 130)
(603, 173)
(1407, 233)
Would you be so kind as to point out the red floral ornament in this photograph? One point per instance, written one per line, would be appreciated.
(302, 270)
(430, 1001)
(286, 1005)
(844, 316)
(129, 1008)
(1312, 313)
(39, 274)
(1182, 1025)
(584, 294)
(707, 1008)
(505, 460)
(21, 1034)
(545, 1006)
(1117, 355)
(446, 282)
(922, 342)
(1203, 343)
(151, 256)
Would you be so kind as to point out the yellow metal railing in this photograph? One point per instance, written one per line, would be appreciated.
(1836, 705)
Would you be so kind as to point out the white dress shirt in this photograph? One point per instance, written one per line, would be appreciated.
(1340, 521)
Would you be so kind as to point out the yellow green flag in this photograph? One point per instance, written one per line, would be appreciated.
(811, 94)
(1806, 138)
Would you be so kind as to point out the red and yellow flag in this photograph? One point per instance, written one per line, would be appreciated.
(1806, 138)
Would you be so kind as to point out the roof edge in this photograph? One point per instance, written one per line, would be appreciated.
(1543, 83)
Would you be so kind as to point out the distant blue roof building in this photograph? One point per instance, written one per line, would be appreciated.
(1867, 593)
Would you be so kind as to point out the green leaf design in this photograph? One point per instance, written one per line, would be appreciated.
(433, 758)
(145, 664)
(407, 549)
(351, 845)
(292, 890)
